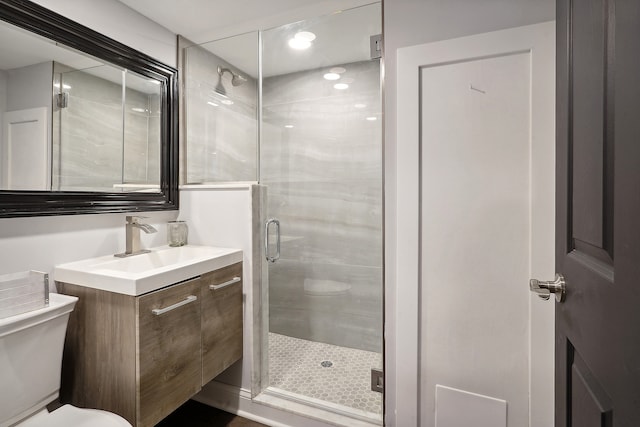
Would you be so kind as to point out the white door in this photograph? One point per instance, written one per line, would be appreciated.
(26, 154)
(476, 208)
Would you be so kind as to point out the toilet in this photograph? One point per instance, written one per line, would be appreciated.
(31, 347)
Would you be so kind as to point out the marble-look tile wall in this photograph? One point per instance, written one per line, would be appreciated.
(221, 130)
(3, 103)
(321, 160)
(89, 133)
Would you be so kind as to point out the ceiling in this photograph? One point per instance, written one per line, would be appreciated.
(206, 20)
(342, 29)
(19, 48)
(341, 38)
(342, 33)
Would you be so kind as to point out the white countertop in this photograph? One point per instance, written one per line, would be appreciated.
(140, 274)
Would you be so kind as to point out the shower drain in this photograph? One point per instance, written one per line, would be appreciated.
(326, 364)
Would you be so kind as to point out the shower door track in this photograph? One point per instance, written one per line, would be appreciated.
(331, 413)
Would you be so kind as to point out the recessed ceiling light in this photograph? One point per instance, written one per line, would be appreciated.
(332, 76)
(138, 110)
(372, 119)
(341, 86)
(348, 80)
(299, 44)
(213, 104)
(360, 105)
(338, 70)
(227, 102)
(305, 35)
(288, 126)
(302, 40)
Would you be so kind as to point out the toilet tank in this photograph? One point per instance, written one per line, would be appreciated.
(31, 347)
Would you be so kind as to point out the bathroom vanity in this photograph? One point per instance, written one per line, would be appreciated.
(143, 354)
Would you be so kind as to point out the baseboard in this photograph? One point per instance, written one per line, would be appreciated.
(271, 409)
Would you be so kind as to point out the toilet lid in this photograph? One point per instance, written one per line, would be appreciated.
(68, 415)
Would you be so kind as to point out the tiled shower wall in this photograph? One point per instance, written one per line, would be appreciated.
(88, 135)
(3, 101)
(321, 160)
(221, 131)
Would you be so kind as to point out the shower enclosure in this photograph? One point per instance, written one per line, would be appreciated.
(321, 161)
(303, 119)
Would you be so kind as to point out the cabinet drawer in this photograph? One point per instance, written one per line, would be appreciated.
(221, 320)
(169, 333)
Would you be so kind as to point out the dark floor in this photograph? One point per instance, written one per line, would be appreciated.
(196, 414)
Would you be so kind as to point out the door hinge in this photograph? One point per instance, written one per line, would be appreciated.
(62, 100)
(375, 44)
(377, 380)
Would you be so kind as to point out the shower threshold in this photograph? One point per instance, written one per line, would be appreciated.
(328, 412)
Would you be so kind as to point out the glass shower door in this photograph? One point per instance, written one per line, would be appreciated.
(321, 163)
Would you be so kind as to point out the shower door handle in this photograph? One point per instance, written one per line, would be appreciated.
(274, 221)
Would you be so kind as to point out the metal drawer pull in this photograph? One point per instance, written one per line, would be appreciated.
(225, 284)
(159, 311)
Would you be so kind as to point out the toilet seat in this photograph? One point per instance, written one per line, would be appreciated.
(68, 415)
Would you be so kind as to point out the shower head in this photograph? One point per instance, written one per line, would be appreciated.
(236, 79)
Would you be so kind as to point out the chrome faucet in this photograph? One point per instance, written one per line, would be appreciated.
(133, 228)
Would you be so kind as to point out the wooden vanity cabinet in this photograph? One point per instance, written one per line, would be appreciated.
(143, 356)
(221, 320)
(168, 350)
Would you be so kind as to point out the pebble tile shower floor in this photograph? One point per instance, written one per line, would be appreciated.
(295, 365)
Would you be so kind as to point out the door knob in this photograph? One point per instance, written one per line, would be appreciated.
(545, 289)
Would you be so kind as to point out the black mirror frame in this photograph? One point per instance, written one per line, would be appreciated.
(44, 22)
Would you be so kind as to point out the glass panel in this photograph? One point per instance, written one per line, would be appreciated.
(141, 158)
(221, 104)
(98, 145)
(88, 106)
(321, 160)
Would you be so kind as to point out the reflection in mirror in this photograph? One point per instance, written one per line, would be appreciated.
(67, 123)
(105, 139)
(221, 97)
(87, 124)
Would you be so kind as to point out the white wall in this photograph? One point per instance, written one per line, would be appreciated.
(42, 242)
(3, 91)
(407, 23)
(30, 87)
(222, 216)
(114, 19)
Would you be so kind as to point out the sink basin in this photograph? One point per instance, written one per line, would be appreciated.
(144, 273)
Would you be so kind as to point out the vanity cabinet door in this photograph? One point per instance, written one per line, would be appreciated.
(221, 320)
(169, 333)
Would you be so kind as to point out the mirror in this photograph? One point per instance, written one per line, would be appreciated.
(88, 125)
